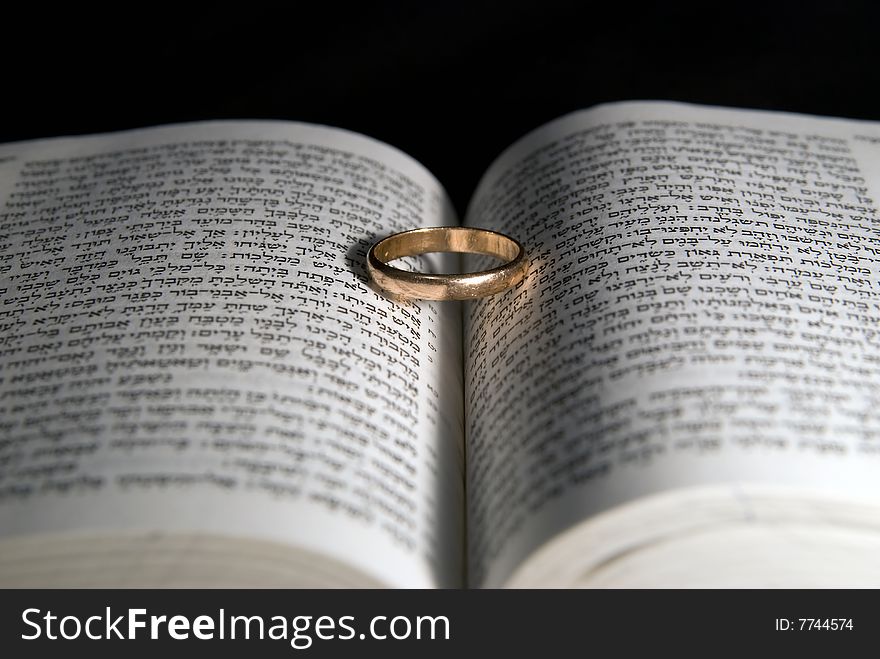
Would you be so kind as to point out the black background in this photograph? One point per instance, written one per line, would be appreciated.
(451, 84)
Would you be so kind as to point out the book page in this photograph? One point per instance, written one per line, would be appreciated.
(702, 308)
(188, 345)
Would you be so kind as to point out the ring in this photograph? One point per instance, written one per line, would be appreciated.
(464, 286)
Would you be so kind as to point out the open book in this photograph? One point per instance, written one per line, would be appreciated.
(198, 387)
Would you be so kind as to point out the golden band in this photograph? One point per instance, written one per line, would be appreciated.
(446, 287)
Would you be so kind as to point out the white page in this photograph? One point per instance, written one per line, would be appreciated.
(189, 346)
(702, 309)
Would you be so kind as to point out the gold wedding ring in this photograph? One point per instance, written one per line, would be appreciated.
(464, 286)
